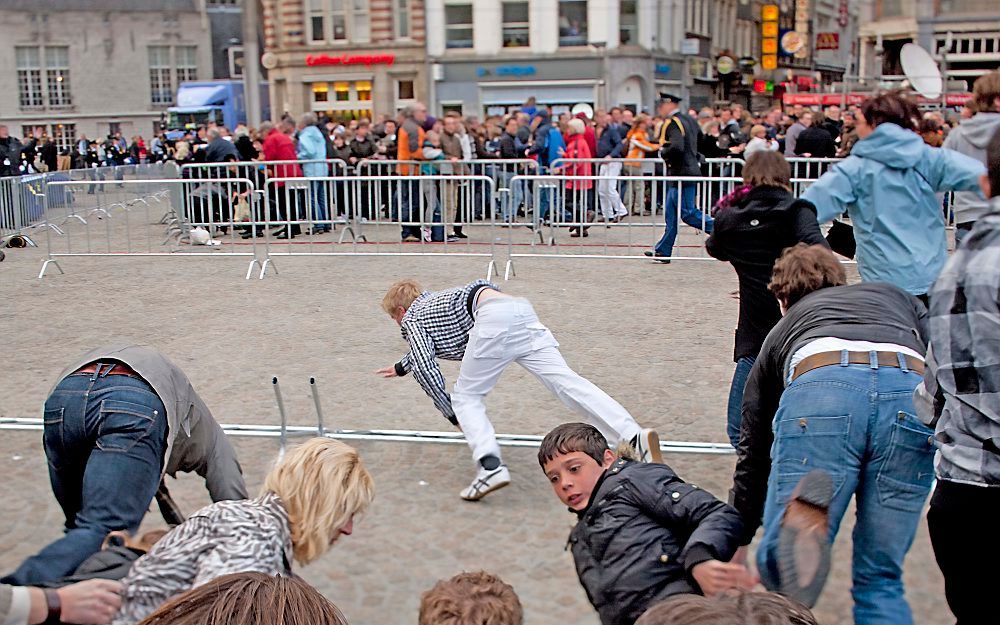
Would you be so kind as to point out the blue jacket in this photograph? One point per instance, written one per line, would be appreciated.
(610, 143)
(887, 186)
(312, 146)
(556, 144)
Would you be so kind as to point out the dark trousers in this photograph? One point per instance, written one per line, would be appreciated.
(963, 523)
(104, 438)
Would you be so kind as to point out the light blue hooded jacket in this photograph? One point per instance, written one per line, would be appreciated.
(312, 146)
(887, 186)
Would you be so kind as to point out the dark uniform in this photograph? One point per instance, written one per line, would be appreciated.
(679, 138)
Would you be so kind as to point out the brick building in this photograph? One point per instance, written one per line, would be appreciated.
(345, 58)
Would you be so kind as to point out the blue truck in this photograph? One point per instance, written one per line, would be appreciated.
(203, 101)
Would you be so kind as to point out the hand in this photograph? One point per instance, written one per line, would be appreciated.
(93, 602)
(715, 577)
(388, 372)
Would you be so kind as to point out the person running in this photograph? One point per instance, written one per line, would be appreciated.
(488, 330)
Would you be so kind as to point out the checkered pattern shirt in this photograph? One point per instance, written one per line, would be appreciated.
(963, 373)
(437, 325)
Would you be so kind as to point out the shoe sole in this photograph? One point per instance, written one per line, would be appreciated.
(486, 492)
(815, 491)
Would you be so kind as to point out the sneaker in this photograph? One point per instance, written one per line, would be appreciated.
(410, 239)
(486, 482)
(804, 539)
(647, 445)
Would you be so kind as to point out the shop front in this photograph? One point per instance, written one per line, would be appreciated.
(486, 88)
(344, 85)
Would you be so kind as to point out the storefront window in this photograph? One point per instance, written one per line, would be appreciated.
(572, 22)
(628, 22)
(404, 90)
(343, 99)
(364, 89)
(458, 25)
(342, 91)
(321, 92)
(515, 25)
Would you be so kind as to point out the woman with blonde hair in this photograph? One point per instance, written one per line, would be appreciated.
(309, 499)
(759, 141)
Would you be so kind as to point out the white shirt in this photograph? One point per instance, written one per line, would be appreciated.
(831, 344)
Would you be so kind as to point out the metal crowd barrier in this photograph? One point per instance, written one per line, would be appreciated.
(383, 215)
(121, 218)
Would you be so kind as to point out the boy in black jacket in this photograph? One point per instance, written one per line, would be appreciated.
(643, 534)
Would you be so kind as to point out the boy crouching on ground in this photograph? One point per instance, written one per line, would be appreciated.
(642, 533)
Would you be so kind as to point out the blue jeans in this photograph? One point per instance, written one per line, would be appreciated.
(689, 213)
(857, 423)
(734, 415)
(409, 206)
(320, 214)
(105, 437)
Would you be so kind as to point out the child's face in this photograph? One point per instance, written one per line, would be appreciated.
(574, 475)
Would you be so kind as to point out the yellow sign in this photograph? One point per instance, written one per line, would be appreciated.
(769, 29)
(769, 12)
(769, 46)
(769, 61)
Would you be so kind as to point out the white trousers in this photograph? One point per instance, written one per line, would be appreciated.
(607, 191)
(507, 330)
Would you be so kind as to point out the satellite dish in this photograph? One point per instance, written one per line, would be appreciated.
(584, 108)
(921, 70)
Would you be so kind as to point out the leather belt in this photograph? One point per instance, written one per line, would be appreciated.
(117, 368)
(885, 359)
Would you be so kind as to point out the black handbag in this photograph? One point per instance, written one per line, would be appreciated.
(841, 239)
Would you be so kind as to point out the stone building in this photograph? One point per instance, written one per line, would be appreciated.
(93, 67)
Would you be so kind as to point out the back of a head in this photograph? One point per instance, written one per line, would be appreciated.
(986, 92)
(322, 485)
(993, 164)
(478, 598)
(750, 608)
(767, 168)
(892, 107)
(248, 599)
(401, 295)
(803, 269)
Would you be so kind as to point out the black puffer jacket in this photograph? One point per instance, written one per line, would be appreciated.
(644, 529)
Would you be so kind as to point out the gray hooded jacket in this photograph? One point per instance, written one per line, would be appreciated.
(971, 138)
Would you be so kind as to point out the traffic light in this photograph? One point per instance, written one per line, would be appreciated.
(763, 86)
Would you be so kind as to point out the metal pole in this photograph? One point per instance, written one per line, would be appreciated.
(320, 431)
(283, 434)
(251, 62)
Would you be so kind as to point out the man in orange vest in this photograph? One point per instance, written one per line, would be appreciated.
(410, 148)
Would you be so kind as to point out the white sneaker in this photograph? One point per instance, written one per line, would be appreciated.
(486, 482)
(647, 445)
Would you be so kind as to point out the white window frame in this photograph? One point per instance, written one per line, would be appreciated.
(64, 136)
(187, 69)
(520, 26)
(57, 78)
(29, 77)
(402, 24)
(586, 22)
(448, 28)
(161, 79)
(355, 15)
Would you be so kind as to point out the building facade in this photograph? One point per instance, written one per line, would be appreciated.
(346, 59)
(93, 67)
(963, 35)
(489, 56)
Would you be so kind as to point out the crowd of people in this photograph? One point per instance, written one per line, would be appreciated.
(866, 392)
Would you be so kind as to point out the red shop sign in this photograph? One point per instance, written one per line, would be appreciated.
(854, 97)
(345, 59)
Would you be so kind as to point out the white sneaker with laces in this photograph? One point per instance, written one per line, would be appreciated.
(647, 445)
(486, 482)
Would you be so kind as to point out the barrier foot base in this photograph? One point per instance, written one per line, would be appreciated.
(21, 238)
(250, 268)
(45, 266)
(347, 230)
(267, 262)
(508, 271)
(492, 269)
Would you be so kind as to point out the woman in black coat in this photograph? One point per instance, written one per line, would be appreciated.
(752, 227)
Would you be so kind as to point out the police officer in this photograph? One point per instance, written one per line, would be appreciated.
(678, 138)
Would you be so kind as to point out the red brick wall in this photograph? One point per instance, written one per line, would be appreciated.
(285, 22)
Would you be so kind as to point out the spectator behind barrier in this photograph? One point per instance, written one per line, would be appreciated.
(478, 598)
(888, 188)
(750, 608)
(642, 534)
(249, 599)
(309, 499)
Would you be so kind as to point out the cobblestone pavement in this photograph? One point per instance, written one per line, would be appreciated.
(657, 338)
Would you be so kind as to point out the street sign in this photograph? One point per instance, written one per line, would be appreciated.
(769, 14)
(691, 45)
(725, 65)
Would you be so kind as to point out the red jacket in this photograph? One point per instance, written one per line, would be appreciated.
(279, 147)
(577, 147)
(588, 134)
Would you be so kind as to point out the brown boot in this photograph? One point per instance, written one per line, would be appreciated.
(804, 539)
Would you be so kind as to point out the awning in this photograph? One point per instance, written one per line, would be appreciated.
(201, 96)
(550, 95)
